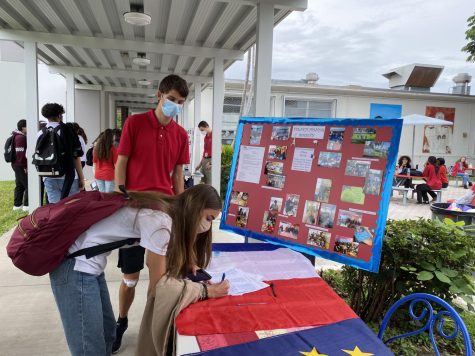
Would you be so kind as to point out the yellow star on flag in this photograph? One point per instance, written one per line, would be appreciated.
(357, 352)
(314, 352)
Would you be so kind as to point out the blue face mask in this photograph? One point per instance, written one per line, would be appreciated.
(170, 109)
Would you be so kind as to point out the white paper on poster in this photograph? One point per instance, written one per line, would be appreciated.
(250, 164)
(315, 132)
(303, 158)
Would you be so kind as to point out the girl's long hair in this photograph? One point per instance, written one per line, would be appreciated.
(432, 160)
(186, 248)
(102, 149)
(399, 163)
(80, 131)
(464, 163)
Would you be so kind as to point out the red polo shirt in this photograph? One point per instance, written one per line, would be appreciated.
(153, 151)
(208, 145)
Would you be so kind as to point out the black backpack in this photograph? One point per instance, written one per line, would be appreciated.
(9, 153)
(89, 157)
(49, 153)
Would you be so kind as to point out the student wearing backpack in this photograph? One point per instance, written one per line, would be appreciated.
(152, 151)
(19, 166)
(63, 176)
(175, 231)
(82, 140)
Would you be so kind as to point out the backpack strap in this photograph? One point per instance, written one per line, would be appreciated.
(100, 249)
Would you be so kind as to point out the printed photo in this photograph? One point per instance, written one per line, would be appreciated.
(329, 159)
(373, 182)
(235, 197)
(376, 149)
(364, 234)
(275, 204)
(275, 181)
(280, 133)
(256, 134)
(268, 222)
(289, 230)
(327, 215)
(353, 195)
(274, 167)
(349, 219)
(310, 213)
(241, 217)
(277, 152)
(319, 238)
(291, 204)
(239, 198)
(335, 140)
(323, 189)
(363, 134)
(357, 168)
(346, 246)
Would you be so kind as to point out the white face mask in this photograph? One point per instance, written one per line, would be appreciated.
(204, 226)
(203, 133)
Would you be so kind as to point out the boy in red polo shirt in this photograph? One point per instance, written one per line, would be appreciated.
(205, 164)
(152, 151)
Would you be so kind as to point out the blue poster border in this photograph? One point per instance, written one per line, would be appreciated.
(373, 264)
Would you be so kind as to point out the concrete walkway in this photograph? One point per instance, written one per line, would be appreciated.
(29, 320)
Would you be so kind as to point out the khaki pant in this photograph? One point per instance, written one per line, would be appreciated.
(206, 172)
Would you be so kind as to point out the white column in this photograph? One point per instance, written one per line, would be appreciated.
(103, 115)
(70, 97)
(218, 100)
(112, 113)
(263, 69)
(31, 85)
(197, 136)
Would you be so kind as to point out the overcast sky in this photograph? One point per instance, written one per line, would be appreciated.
(355, 41)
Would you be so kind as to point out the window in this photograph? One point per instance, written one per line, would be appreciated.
(231, 107)
(308, 108)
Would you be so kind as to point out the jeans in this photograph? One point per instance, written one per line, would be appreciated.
(105, 186)
(464, 176)
(85, 309)
(20, 195)
(422, 190)
(54, 186)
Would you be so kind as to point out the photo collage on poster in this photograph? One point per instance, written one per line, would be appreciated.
(334, 216)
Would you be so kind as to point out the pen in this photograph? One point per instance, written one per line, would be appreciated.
(273, 290)
(222, 278)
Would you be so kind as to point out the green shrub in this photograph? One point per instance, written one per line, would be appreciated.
(425, 256)
(226, 160)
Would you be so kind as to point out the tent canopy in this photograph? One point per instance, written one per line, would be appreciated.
(417, 120)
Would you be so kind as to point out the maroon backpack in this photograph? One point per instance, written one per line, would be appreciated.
(42, 239)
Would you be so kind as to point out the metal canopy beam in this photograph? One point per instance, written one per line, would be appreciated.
(137, 99)
(123, 73)
(295, 5)
(119, 44)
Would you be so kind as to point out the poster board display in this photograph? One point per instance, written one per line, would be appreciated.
(318, 186)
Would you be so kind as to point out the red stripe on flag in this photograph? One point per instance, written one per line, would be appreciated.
(299, 302)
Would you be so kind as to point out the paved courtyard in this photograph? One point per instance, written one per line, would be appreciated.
(29, 321)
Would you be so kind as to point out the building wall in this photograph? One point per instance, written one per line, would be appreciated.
(358, 106)
(12, 102)
(87, 114)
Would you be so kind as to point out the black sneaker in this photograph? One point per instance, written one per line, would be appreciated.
(121, 326)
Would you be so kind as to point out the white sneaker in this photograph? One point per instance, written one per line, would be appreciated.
(26, 208)
(17, 208)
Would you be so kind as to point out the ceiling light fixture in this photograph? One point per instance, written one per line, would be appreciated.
(141, 60)
(144, 82)
(137, 17)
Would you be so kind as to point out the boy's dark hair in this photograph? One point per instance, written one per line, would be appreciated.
(52, 110)
(203, 124)
(441, 161)
(21, 124)
(176, 82)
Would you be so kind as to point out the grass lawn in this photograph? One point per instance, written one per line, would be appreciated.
(8, 218)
